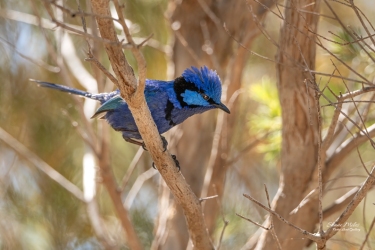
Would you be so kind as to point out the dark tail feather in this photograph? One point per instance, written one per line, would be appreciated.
(64, 89)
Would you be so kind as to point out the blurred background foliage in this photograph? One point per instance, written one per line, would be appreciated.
(37, 213)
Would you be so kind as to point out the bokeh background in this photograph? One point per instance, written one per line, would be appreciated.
(38, 213)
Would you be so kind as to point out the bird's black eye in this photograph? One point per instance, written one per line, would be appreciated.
(206, 97)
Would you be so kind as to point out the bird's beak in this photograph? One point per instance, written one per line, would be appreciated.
(222, 107)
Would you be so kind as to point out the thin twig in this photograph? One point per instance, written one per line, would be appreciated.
(342, 77)
(77, 31)
(185, 44)
(130, 170)
(340, 203)
(345, 148)
(362, 163)
(31, 19)
(307, 234)
(355, 105)
(161, 229)
(368, 234)
(142, 70)
(365, 187)
(141, 179)
(367, 134)
(74, 13)
(320, 161)
(259, 25)
(345, 43)
(332, 126)
(368, 46)
(255, 223)
(40, 164)
(271, 10)
(355, 8)
(272, 228)
(37, 62)
(145, 41)
(356, 101)
(225, 221)
(347, 31)
(209, 46)
(364, 221)
(5, 176)
(243, 46)
(366, 112)
(82, 133)
(210, 14)
(213, 154)
(208, 198)
(100, 66)
(253, 143)
(318, 42)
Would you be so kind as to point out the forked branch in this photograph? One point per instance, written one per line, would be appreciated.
(132, 92)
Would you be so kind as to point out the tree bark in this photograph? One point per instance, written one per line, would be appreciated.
(300, 131)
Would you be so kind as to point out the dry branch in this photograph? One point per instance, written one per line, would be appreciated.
(130, 170)
(345, 148)
(340, 203)
(367, 234)
(40, 164)
(339, 222)
(274, 235)
(132, 92)
(255, 223)
(308, 235)
(109, 182)
(37, 62)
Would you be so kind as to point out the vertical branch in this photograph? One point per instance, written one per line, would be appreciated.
(161, 229)
(320, 165)
(300, 130)
(217, 165)
(134, 96)
(272, 229)
(109, 182)
(135, 50)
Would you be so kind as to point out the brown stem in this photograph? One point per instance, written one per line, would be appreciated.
(134, 96)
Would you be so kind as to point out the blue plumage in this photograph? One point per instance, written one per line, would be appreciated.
(170, 102)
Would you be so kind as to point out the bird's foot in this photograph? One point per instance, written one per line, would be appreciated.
(133, 141)
(175, 161)
(165, 144)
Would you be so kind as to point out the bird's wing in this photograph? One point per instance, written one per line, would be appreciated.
(109, 105)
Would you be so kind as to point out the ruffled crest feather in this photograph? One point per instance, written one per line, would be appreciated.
(206, 80)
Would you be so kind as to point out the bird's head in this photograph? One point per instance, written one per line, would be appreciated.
(199, 88)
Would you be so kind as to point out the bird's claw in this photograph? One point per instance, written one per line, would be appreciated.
(175, 161)
(165, 144)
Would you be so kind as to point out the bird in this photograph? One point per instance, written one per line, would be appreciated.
(196, 91)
